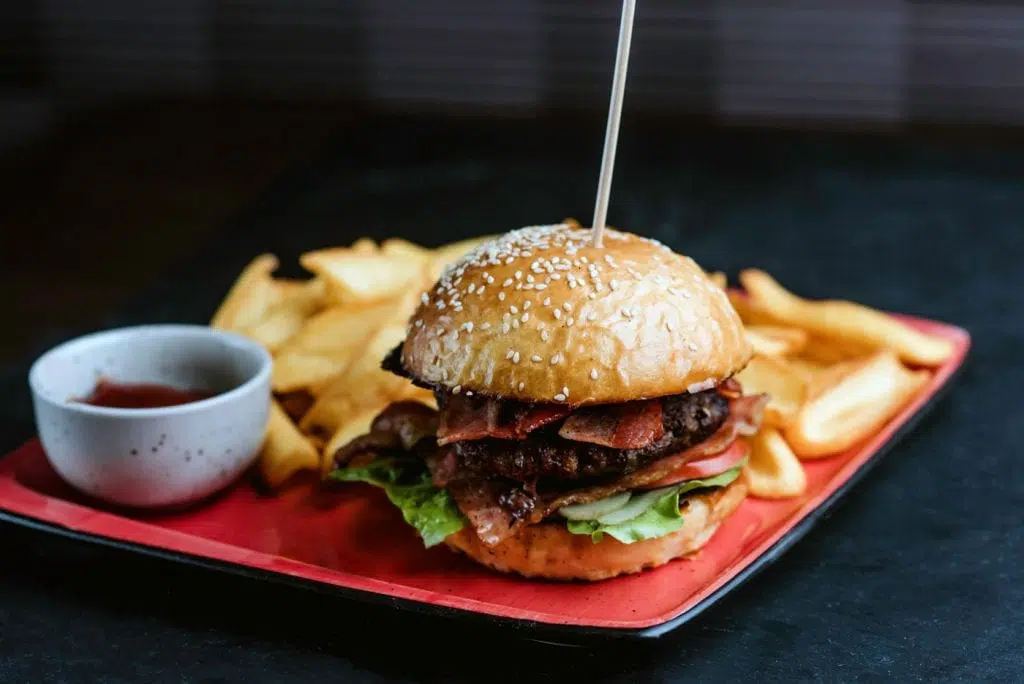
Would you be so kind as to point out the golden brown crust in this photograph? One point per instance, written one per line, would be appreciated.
(550, 551)
(539, 314)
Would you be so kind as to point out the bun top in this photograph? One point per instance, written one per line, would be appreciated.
(540, 314)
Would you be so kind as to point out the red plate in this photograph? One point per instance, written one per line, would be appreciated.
(355, 543)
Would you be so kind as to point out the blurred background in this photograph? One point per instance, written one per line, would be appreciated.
(131, 130)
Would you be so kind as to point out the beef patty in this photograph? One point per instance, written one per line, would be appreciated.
(688, 419)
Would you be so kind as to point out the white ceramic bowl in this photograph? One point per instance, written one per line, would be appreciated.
(153, 456)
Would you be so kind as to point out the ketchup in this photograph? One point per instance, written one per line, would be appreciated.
(141, 395)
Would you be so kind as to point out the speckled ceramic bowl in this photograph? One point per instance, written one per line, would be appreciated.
(146, 457)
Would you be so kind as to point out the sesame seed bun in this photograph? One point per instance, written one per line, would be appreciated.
(540, 314)
(550, 551)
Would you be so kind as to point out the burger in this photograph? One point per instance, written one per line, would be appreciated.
(587, 422)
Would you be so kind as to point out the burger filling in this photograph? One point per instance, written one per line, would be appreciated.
(621, 470)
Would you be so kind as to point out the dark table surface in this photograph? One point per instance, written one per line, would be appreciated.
(917, 576)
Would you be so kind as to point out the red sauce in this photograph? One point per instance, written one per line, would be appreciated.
(141, 395)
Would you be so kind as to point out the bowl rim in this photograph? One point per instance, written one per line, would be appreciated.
(171, 330)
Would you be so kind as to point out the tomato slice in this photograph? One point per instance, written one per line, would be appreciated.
(705, 467)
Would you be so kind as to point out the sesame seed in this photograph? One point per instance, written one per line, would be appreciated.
(456, 389)
(519, 286)
(567, 306)
(485, 326)
(505, 328)
(592, 316)
(535, 358)
(515, 358)
(471, 288)
(510, 260)
(558, 313)
(593, 374)
(555, 359)
(514, 309)
(559, 397)
(519, 275)
(530, 278)
(515, 322)
(418, 323)
(480, 292)
(547, 301)
(424, 298)
(627, 313)
(469, 393)
(439, 331)
(455, 334)
(501, 296)
(508, 281)
(440, 304)
(570, 321)
(527, 304)
(544, 335)
(526, 316)
(522, 386)
(692, 346)
(565, 391)
(541, 286)
(510, 354)
(556, 276)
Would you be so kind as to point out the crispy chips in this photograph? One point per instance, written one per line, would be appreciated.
(328, 335)
(836, 373)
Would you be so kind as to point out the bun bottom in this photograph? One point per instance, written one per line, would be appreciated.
(550, 551)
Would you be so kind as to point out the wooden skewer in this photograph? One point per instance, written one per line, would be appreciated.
(611, 134)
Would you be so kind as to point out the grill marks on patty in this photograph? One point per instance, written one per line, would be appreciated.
(686, 420)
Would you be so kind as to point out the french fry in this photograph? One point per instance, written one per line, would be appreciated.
(719, 278)
(856, 406)
(285, 318)
(786, 388)
(363, 384)
(773, 471)
(326, 345)
(358, 278)
(771, 340)
(844, 320)
(364, 245)
(413, 393)
(750, 311)
(397, 247)
(829, 351)
(250, 296)
(285, 450)
(446, 254)
(296, 371)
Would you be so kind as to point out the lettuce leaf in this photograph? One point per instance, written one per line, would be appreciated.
(407, 484)
(662, 518)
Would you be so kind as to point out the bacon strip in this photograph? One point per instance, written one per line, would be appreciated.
(731, 388)
(399, 426)
(479, 500)
(745, 416)
(464, 418)
(626, 426)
